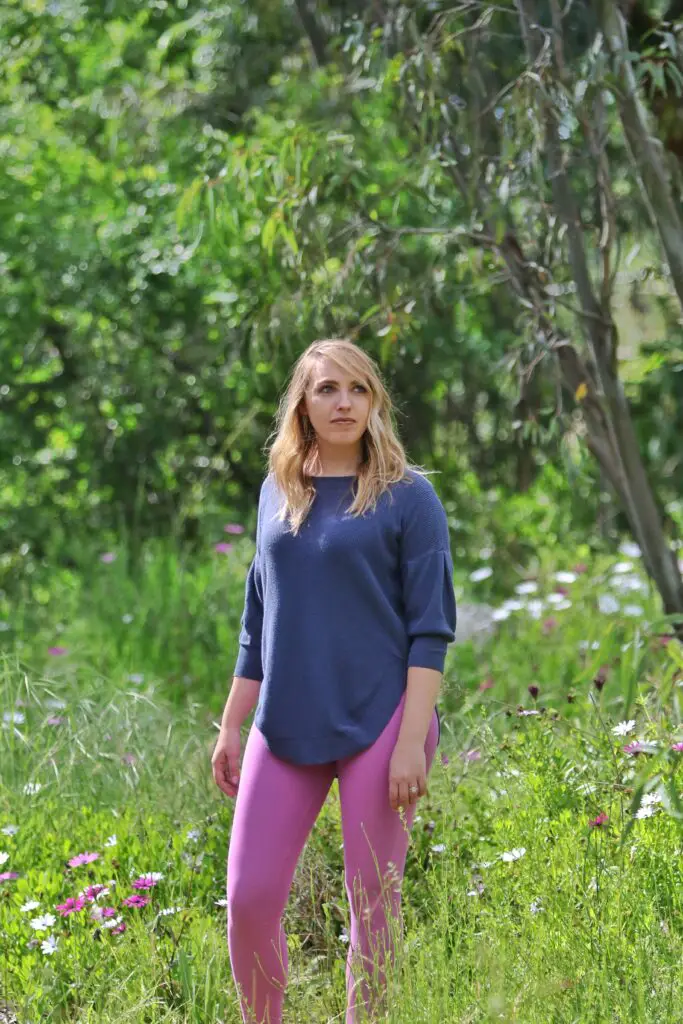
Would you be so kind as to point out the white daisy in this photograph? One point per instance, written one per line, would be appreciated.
(630, 549)
(528, 587)
(513, 854)
(566, 577)
(10, 830)
(481, 574)
(31, 905)
(49, 945)
(624, 728)
(41, 924)
(608, 604)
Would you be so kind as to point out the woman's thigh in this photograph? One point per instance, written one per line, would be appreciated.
(276, 806)
(371, 828)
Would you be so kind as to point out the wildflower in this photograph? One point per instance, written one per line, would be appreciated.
(535, 907)
(608, 604)
(193, 835)
(108, 557)
(135, 901)
(41, 924)
(49, 945)
(128, 758)
(527, 587)
(4, 856)
(630, 549)
(471, 755)
(678, 747)
(558, 595)
(481, 574)
(223, 902)
(110, 841)
(525, 712)
(147, 881)
(136, 677)
(165, 911)
(486, 684)
(91, 892)
(233, 528)
(70, 906)
(57, 651)
(16, 717)
(513, 605)
(127, 619)
(645, 812)
(623, 728)
(31, 788)
(119, 928)
(633, 610)
(485, 554)
(535, 608)
(112, 924)
(634, 748)
(500, 614)
(55, 703)
(601, 819)
(533, 690)
(9, 830)
(565, 577)
(512, 855)
(82, 858)
(580, 568)
(549, 625)
(55, 720)
(478, 888)
(445, 761)
(622, 567)
(438, 848)
(8, 876)
(29, 905)
(223, 548)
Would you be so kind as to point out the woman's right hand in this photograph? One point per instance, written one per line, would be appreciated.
(225, 761)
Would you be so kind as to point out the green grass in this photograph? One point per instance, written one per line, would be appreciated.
(584, 926)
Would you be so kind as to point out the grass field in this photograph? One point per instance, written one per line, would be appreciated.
(544, 876)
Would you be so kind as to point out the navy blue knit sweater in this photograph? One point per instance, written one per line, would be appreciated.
(334, 616)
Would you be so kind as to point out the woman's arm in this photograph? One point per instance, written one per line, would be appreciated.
(422, 693)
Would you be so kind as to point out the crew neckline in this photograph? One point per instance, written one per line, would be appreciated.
(351, 476)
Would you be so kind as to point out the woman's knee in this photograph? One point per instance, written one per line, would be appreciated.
(254, 900)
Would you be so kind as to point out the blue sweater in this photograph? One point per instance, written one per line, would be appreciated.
(334, 617)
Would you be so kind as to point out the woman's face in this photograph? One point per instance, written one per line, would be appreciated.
(333, 395)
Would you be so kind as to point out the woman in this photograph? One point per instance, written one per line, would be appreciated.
(349, 608)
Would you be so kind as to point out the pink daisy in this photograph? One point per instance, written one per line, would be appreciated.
(71, 906)
(600, 820)
(233, 528)
(83, 858)
(56, 651)
(136, 901)
(145, 882)
(8, 876)
(223, 548)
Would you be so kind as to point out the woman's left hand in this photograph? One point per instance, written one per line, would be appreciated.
(407, 769)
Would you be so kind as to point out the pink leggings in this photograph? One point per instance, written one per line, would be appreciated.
(276, 806)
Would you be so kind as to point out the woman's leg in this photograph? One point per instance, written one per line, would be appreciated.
(276, 806)
(375, 848)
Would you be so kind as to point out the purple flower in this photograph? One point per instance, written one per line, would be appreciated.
(55, 720)
(136, 901)
(223, 548)
(108, 556)
(93, 891)
(8, 876)
(678, 747)
(600, 820)
(634, 748)
(471, 755)
(83, 858)
(119, 928)
(146, 881)
(56, 651)
(71, 906)
(533, 690)
(444, 759)
(233, 528)
(108, 911)
(128, 758)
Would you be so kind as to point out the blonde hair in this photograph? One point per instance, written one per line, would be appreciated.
(294, 450)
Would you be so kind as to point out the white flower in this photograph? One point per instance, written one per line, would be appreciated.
(527, 712)
(10, 830)
(558, 599)
(607, 604)
(165, 911)
(136, 677)
(31, 788)
(513, 605)
(438, 848)
(484, 864)
(193, 835)
(624, 728)
(529, 587)
(111, 922)
(630, 549)
(49, 945)
(560, 606)
(626, 583)
(221, 903)
(513, 854)
(17, 717)
(110, 841)
(4, 856)
(645, 812)
(41, 924)
(127, 618)
(566, 577)
(485, 554)
(500, 614)
(31, 905)
(55, 703)
(344, 935)
(622, 567)
(651, 798)
(633, 610)
(536, 907)
(535, 609)
(481, 574)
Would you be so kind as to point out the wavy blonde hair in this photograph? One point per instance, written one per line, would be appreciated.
(294, 451)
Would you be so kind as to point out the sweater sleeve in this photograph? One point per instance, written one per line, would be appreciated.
(427, 579)
(248, 662)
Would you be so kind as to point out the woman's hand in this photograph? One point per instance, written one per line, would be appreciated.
(225, 761)
(407, 768)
